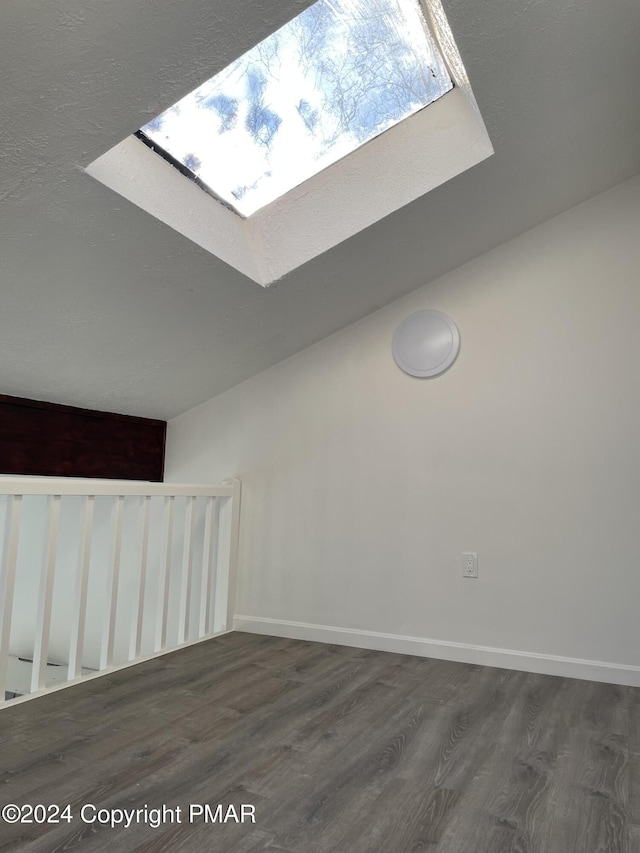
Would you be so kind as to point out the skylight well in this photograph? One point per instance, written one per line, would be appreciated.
(332, 79)
(346, 114)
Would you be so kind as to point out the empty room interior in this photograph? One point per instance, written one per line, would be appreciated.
(319, 426)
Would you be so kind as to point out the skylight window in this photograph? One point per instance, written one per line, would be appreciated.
(335, 77)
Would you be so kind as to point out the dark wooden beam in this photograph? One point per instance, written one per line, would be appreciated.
(49, 439)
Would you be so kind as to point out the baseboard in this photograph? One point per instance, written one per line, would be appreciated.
(609, 673)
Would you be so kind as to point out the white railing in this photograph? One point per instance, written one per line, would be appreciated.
(95, 575)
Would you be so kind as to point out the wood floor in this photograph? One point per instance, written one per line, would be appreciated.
(338, 749)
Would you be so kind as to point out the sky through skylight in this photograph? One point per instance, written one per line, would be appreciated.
(330, 80)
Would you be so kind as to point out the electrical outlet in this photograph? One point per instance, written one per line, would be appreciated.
(470, 564)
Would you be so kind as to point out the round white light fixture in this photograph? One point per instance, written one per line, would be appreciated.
(426, 343)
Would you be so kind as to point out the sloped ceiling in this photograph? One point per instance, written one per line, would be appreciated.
(105, 307)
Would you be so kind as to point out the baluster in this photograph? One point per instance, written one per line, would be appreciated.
(7, 582)
(165, 568)
(76, 647)
(234, 543)
(113, 574)
(207, 560)
(138, 613)
(45, 596)
(184, 606)
(218, 571)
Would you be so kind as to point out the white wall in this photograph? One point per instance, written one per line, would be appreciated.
(362, 486)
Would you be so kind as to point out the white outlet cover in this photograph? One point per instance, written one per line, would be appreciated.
(470, 564)
(426, 343)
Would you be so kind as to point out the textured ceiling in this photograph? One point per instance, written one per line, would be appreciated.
(103, 306)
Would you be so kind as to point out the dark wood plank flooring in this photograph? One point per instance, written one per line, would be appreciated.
(338, 749)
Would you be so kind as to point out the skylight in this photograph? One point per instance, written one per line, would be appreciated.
(275, 147)
(335, 77)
